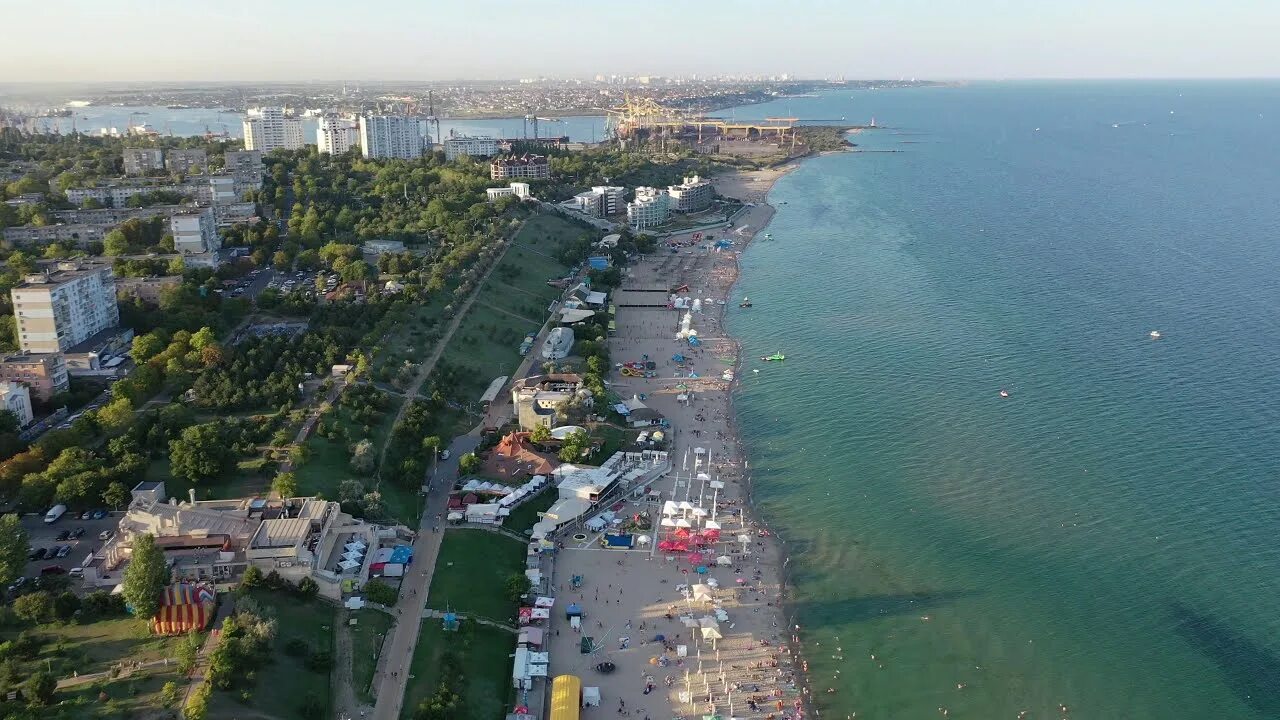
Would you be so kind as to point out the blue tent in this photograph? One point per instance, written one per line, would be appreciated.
(450, 621)
(572, 610)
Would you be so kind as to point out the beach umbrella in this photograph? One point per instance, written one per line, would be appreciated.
(702, 569)
(685, 505)
(682, 523)
(699, 512)
(712, 525)
(668, 522)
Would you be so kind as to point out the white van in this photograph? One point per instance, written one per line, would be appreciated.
(54, 513)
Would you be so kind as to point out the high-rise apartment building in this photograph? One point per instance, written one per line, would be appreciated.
(691, 195)
(651, 208)
(337, 135)
(456, 147)
(140, 161)
(58, 310)
(268, 129)
(390, 136)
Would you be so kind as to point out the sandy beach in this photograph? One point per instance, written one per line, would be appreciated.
(645, 608)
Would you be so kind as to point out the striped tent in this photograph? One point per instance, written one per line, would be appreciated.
(184, 607)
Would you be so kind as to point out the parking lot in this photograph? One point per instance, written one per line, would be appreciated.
(304, 281)
(45, 537)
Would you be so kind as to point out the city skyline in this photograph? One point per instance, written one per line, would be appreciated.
(136, 41)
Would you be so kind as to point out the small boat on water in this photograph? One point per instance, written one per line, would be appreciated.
(746, 302)
(776, 357)
(1004, 393)
(1154, 335)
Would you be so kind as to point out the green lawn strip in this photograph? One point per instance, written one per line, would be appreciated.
(367, 635)
(487, 344)
(135, 696)
(484, 656)
(472, 571)
(524, 516)
(94, 647)
(281, 685)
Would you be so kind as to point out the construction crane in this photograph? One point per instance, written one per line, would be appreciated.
(431, 116)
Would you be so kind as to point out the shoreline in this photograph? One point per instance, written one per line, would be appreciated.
(752, 667)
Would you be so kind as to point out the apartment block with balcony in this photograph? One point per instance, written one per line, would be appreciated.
(336, 135)
(694, 194)
(190, 161)
(58, 310)
(268, 128)
(44, 374)
(390, 136)
(520, 167)
(456, 147)
(651, 208)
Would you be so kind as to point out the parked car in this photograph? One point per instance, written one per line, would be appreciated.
(99, 514)
(64, 550)
(106, 534)
(53, 570)
(17, 584)
(37, 554)
(86, 514)
(76, 572)
(77, 533)
(63, 535)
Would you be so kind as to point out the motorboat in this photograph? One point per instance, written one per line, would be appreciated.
(1154, 335)
(1004, 393)
(746, 303)
(776, 357)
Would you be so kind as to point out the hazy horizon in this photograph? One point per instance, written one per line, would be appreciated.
(400, 41)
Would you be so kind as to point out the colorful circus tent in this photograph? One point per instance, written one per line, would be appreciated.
(184, 607)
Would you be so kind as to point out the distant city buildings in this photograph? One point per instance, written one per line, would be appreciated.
(651, 208)
(45, 374)
(517, 189)
(141, 161)
(58, 310)
(390, 136)
(527, 166)
(16, 398)
(268, 129)
(337, 135)
(456, 147)
(691, 195)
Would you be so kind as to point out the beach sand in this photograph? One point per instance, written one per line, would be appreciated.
(631, 596)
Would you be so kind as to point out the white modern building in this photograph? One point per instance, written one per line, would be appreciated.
(16, 398)
(456, 147)
(194, 232)
(390, 136)
(58, 310)
(600, 201)
(516, 189)
(337, 135)
(268, 129)
(651, 208)
(691, 195)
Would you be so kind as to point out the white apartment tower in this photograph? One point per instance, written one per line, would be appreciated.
(390, 136)
(268, 129)
(58, 310)
(337, 135)
(456, 147)
(651, 208)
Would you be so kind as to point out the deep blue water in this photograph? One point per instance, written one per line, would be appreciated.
(1108, 537)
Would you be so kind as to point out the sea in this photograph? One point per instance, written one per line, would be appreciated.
(186, 122)
(1105, 541)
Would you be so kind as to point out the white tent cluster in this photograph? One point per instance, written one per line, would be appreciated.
(353, 556)
(524, 492)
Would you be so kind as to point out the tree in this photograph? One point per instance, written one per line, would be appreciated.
(444, 704)
(251, 578)
(39, 688)
(540, 434)
(146, 347)
(308, 588)
(66, 605)
(200, 453)
(285, 484)
(516, 586)
(573, 446)
(170, 693)
(188, 649)
(468, 464)
(203, 338)
(14, 546)
(362, 457)
(36, 607)
(115, 495)
(115, 416)
(115, 243)
(357, 271)
(380, 592)
(145, 576)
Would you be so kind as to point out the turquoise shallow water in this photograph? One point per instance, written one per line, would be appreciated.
(1106, 538)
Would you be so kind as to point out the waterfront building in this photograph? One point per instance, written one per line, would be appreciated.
(527, 166)
(651, 208)
(456, 147)
(536, 398)
(57, 310)
(390, 136)
(191, 161)
(16, 398)
(268, 129)
(337, 135)
(140, 161)
(691, 195)
(44, 374)
(194, 232)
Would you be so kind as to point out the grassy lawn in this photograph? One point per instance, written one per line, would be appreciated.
(408, 340)
(487, 344)
(247, 479)
(483, 655)
(366, 643)
(524, 516)
(282, 683)
(95, 647)
(137, 696)
(471, 571)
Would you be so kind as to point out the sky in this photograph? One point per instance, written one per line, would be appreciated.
(301, 40)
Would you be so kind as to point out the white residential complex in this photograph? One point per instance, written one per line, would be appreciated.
(390, 136)
(600, 201)
(692, 195)
(336, 135)
(268, 129)
(517, 189)
(56, 311)
(651, 208)
(456, 147)
(194, 232)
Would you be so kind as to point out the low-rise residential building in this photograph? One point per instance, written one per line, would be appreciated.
(692, 195)
(194, 232)
(336, 135)
(244, 165)
(527, 166)
(57, 310)
(44, 374)
(516, 189)
(186, 161)
(16, 398)
(651, 208)
(456, 147)
(382, 247)
(141, 161)
(537, 398)
(148, 289)
(199, 189)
